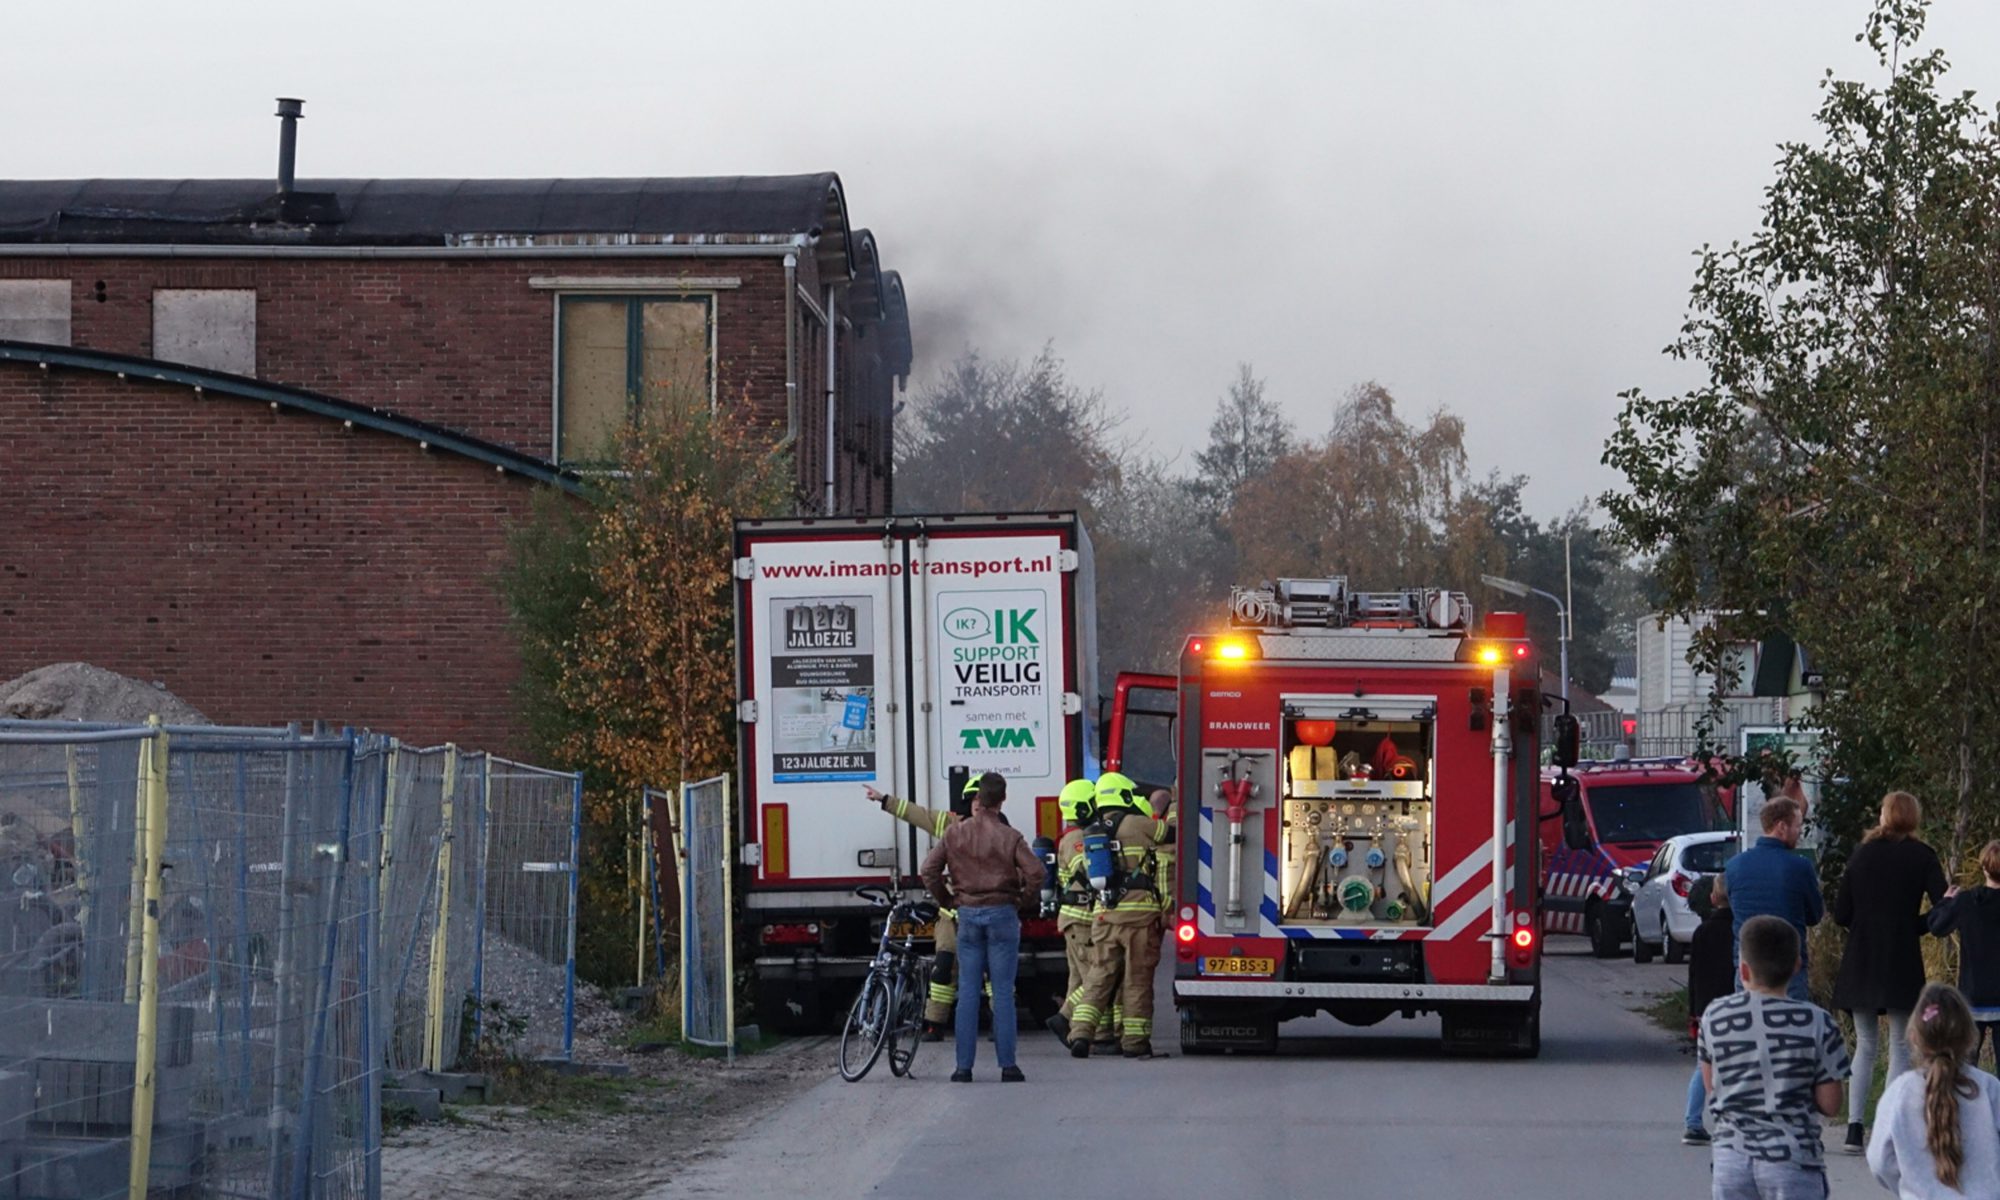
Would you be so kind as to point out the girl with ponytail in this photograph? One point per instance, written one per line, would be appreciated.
(1937, 1130)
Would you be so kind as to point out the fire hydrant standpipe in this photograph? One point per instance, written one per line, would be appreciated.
(1236, 795)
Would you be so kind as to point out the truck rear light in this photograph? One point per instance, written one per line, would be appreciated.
(1521, 651)
(1234, 649)
(1040, 927)
(1521, 946)
(1682, 885)
(1186, 932)
(1187, 912)
(792, 934)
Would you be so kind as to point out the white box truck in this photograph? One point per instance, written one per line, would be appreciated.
(902, 653)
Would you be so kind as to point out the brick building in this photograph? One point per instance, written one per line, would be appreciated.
(264, 446)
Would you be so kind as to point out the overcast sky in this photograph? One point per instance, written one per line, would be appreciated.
(1486, 206)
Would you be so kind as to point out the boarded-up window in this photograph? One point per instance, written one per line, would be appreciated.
(621, 357)
(35, 310)
(207, 327)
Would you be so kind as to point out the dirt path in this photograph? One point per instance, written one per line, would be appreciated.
(606, 1139)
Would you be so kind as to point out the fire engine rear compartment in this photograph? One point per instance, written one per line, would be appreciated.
(1356, 820)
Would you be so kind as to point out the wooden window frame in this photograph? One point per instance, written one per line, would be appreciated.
(635, 351)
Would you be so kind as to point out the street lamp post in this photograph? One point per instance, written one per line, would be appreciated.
(1513, 588)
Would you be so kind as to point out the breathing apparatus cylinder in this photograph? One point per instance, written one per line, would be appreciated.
(1045, 850)
(1099, 858)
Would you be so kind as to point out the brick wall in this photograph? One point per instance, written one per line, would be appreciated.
(265, 566)
(468, 343)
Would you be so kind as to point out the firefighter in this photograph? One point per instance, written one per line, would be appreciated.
(1128, 924)
(943, 995)
(1078, 803)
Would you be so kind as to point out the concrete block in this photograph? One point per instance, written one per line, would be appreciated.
(53, 1168)
(748, 1035)
(449, 1085)
(17, 1098)
(424, 1101)
(92, 1031)
(96, 1097)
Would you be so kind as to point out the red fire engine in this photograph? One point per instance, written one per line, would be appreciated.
(1359, 784)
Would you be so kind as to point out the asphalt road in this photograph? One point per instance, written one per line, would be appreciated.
(1375, 1111)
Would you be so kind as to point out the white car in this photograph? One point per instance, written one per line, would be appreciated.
(1662, 920)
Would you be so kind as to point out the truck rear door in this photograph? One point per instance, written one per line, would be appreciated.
(820, 620)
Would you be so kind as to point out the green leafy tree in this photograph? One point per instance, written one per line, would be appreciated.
(1834, 477)
(622, 608)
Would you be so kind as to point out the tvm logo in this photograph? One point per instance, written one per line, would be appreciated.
(997, 739)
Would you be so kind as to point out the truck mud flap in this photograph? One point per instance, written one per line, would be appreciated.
(1494, 1030)
(1221, 1030)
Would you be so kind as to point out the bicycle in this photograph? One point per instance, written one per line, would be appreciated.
(889, 1009)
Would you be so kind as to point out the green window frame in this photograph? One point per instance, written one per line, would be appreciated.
(618, 354)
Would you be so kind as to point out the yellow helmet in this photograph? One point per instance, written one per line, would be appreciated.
(1077, 799)
(1117, 791)
(971, 786)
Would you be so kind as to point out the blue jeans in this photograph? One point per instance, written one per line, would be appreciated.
(1697, 1097)
(989, 946)
(1734, 1175)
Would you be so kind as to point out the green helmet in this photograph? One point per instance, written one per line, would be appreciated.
(1077, 799)
(1118, 791)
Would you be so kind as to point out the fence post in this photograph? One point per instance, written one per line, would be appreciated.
(283, 982)
(645, 874)
(569, 966)
(305, 1139)
(136, 910)
(479, 896)
(371, 1085)
(728, 928)
(145, 1053)
(434, 999)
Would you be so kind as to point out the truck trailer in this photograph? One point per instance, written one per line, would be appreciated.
(905, 654)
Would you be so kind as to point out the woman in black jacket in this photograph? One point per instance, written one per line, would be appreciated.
(1975, 916)
(1883, 969)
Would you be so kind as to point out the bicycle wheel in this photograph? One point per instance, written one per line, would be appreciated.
(906, 1032)
(867, 1028)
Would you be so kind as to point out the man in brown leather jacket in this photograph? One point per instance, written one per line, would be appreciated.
(993, 874)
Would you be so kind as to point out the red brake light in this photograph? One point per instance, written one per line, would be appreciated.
(1185, 932)
(1039, 927)
(1521, 651)
(1521, 951)
(1682, 885)
(1195, 645)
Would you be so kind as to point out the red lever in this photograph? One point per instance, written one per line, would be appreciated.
(1236, 793)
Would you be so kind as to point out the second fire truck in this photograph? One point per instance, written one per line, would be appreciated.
(1360, 778)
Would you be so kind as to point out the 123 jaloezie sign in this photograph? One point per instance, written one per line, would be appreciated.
(823, 689)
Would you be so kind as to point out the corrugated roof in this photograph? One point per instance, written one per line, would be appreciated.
(401, 212)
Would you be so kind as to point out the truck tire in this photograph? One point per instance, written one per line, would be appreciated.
(1605, 936)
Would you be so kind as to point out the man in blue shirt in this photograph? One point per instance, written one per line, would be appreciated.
(1772, 879)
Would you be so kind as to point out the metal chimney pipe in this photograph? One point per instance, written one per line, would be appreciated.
(289, 112)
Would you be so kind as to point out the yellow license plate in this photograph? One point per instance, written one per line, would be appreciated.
(902, 930)
(1239, 966)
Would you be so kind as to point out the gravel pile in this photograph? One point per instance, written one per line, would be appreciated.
(75, 691)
